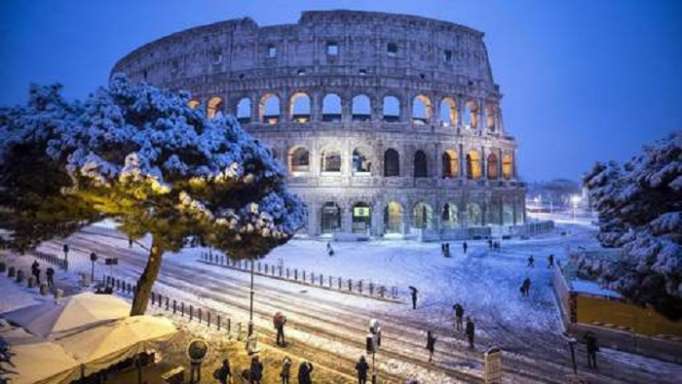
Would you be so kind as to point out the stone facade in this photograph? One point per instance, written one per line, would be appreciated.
(384, 122)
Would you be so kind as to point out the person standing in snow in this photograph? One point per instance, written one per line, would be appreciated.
(413, 293)
(278, 321)
(470, 332)
(525, 287)
(531, 261)
(35, 271)
(49, 273)
(442, 249)
(285, 373)
(362, 367)
(430, 344)
(550, 261)
(447, 249)
(459, 314)
(223, 374)
(256, 371)
(304, 372)
(592, 348)
(464, 247)
(330, 250)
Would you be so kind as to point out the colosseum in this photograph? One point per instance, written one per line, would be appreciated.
(388, 125)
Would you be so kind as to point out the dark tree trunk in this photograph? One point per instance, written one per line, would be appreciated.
(147, 279)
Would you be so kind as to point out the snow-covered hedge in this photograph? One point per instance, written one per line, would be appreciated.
(640, 210)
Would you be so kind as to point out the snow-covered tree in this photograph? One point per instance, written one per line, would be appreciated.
(640, 210)
(140, 155)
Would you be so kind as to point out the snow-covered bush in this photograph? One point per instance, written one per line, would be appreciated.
(140, 155)
(640, 210)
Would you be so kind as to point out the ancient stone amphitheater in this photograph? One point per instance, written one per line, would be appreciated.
(388, 125)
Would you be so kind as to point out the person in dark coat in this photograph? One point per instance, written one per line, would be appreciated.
(224, 374)
(279, 321)
(50, 277)
(447, 249)
(525, 287)
(256, 371)
(459, 314)
(464, 247)
(550, 261)
(470, 331)
(330, 250)
(442, 249)
(362, 367)
(304, 372)
(35, 271)
(430, 344)
(592, 348)
(413, 293)
(531, 261)
(285, 373)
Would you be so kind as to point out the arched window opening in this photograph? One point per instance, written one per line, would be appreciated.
(473, 165)
(490, 113)
(420, 166)
(361, 162)
(393, 217)
(331, 161)
(448, 112)
(474, 215)
(507, 166)
(470, 114)
(391, 163)
(450, 163)
(300, 160)
(193, 104)
(331, 218)
(362, 218)
(214, 106)
(422, 216)
(449, 215)
(392, 49)
(331, 108)
(421, 110)
(492, 166)
(360, 108)
(391, 109)
(269, 109)
(244, 110)
(300, 108)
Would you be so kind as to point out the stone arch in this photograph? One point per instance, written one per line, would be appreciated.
(470, 116)
(474, 214)
(330, 217)
(331, 107)
(507, 166)
(391, 109)
(269, 109)
(299, 159)
(393, 217)
(362, 161)
(473, 161)
(391, 163)
(194, 103)
(361, 217)
(422, 109)
(214, 107)
(449, 215)
(421, 168)
(422, 216)
(448, 112)
(450, 161)
(244, 110)
(330, 160)
(361, 108)
(299, 107)
(492, 166)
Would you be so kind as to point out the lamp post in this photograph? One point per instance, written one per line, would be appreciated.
(373, 344)
(65, 248)
(93, 258)
(250, 333)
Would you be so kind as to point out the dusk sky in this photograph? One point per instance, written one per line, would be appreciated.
(582, 80)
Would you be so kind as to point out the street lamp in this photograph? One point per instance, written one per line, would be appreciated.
(93, 258)
(575, 201)
(373, 344)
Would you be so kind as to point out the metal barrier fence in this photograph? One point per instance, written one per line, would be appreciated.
(52, 259)
(294, 275)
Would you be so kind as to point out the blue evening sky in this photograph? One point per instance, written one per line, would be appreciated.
(583, 80)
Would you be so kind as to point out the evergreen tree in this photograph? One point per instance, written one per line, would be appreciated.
(141, 156)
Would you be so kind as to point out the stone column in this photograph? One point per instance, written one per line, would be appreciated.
(316, 107)
(407, 217)
(484, 164)
(375, 107)
(313, 218)
(347, 218)
(439, 161)
(285, 110)
(481, 127)
(346, 104)
(377, 228)
(460, 112)
(462, 162)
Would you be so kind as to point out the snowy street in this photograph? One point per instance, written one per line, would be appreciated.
(329, 327)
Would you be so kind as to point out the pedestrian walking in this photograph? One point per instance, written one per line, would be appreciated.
(362, 367)
(592, 347)
(330, 250)
(430, 344)
(413, 293)
(442, 249)
(223, 373)
(279, 320)
(459, 314)
(447, 249)
(285, 373)
(470, 331)
(130, 242)
(490, 243)
(256, 371)
(525, 287)
(464, 247)
(531, 261)
(304, 372)
(550, 261)
(35, 271)
(49, 273)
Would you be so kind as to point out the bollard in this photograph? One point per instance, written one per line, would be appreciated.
(43, 289)
(182, 309)
(312, 278)
(330, 281)
(321, 280)
(11, 272)
(287, 273)
(229, 325)
(371, 288)
(199, 314)
(295, 274)
(280, 271)
(218, 322)
(339, 283)
(350, 285)
(3, 267)
(266, 269)
(167, 303)
(239, 331)
(208, 319)
(153, 298)
(360, 286)
(175, 306)
(303, 276)
(191, 312)
(258, 263)
(20, 276)
(160, 300)
(30, 282)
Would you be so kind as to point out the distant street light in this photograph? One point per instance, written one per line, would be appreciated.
(575, 201)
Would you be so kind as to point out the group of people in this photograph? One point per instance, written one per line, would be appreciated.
(493, 244)
(445, 249)
(49, 273)
(254, 374)
(469, 330)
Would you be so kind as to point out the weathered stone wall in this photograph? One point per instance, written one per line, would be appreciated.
(346, 53)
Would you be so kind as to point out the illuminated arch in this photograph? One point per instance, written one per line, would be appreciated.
(450, 162)
(422, 216)
(473, 161)
(448, 112)
(507, 166)
(213, 107)
(492, 166)
(422, 109)
(393, 217)
(449, 215)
